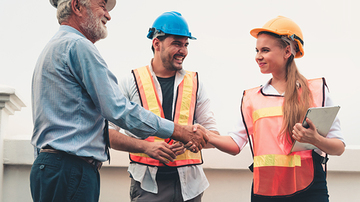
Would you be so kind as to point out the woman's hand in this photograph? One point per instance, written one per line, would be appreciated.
(332, 146)
(306, 135)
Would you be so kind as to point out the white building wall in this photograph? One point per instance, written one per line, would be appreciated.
(229, 178)
(224, 52)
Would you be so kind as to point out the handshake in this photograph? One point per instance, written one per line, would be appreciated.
(193, 137)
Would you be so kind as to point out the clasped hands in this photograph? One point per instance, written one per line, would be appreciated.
(193, 138)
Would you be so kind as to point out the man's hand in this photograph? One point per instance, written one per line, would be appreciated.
(190, 146)
(178, 148)
(186, 134)
(156, 150)
(160, 151)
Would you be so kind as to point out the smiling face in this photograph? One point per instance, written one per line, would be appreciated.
(96, 16)
(271, 56)
(172, 52)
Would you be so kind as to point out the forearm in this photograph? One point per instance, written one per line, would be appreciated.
(208, 145)
(121, 142)
(331, 146)
(178, 134)
(224, 143)
(157, 150)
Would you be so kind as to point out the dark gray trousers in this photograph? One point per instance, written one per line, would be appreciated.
(169, 190)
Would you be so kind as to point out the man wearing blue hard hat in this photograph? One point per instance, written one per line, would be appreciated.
(73, 96)
(169, 91)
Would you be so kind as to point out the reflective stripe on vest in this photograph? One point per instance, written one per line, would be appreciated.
(276, 172)
(183, 113)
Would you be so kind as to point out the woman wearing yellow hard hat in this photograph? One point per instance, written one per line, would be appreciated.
(270, 118)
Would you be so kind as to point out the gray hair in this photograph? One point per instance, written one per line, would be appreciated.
(64, 9)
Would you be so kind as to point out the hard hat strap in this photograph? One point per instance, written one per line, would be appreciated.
(154, 33)
(158, 33)
(291, 42)
(293, 37)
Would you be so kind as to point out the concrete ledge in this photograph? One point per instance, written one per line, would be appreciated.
(21, 152)
(18, 152)
(10, 100)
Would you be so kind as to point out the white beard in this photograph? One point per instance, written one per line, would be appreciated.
(94, 27)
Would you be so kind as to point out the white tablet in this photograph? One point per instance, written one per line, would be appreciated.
(323, 118)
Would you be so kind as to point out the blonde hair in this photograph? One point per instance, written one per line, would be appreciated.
(298, 97)
(297, 100)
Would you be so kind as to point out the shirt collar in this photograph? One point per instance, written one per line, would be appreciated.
(268, 89)
(68, 28)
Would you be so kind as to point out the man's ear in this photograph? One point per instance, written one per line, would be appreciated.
(156, 44)
(76, 7)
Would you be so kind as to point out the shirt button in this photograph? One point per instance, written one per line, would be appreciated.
(42, 167)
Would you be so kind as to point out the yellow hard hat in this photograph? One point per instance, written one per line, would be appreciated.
(283, 26)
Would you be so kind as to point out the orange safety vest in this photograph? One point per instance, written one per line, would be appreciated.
(275, 171)
(183, 114)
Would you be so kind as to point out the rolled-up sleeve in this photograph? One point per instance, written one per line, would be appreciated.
(92, 72)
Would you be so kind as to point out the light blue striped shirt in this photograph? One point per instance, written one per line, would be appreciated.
(73, 91)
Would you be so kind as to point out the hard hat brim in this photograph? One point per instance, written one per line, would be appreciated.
(189, 37)
(54, 3)
(151, 35)
(109, 5)
(255, 32)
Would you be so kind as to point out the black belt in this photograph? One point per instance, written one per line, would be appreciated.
(93, 162)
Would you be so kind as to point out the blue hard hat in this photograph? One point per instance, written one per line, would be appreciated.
(169, 23)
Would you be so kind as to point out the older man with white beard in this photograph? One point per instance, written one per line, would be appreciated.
(73, 96)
